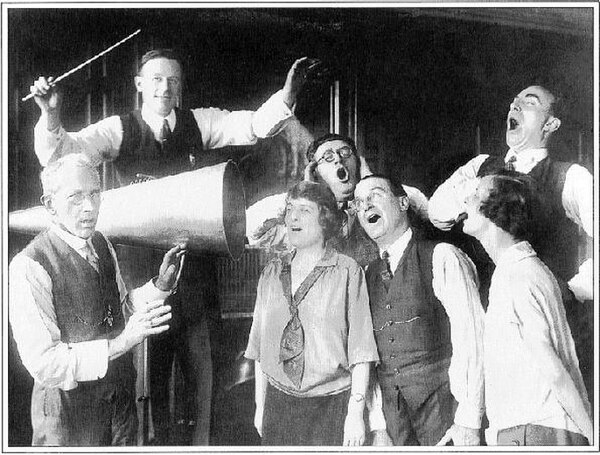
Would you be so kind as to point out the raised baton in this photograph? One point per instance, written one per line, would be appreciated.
(87, 62)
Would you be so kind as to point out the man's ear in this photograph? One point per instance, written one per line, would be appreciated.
(404, 203)
(46, 201)
(138, 83)
(551, 125)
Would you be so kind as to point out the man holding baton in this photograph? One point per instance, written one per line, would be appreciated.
(157, 140)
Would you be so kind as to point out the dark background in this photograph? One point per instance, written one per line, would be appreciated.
(422, 90)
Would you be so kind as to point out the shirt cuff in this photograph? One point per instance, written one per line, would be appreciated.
(582, 284)
(271, 117)
(92, 359)
(468, 416)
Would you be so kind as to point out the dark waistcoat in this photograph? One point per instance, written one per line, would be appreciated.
(557, 238)
(86, 302)
(140, 153)
(411, 327)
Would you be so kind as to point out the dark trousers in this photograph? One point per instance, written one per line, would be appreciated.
(96, 413)
(538, 435)
(190, 345)
(424, 426)
(294, 421)
(187, 342)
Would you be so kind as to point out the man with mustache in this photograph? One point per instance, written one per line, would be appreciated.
(74, 321)
(533, 119)
(428, 323)
(157, 140)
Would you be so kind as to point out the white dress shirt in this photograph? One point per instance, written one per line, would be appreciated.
(531, 369)
(35, 329)
(448, 202)
(455, 284)
(219, 128)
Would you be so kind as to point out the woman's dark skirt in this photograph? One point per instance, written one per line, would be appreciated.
(294, 421)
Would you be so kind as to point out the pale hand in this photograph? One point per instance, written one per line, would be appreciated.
(354, 429)
(169, 268)
(461, 436)
(147, 321)
(46, 96)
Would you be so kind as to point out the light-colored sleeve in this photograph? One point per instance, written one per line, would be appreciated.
(529, 305)
(33, 320)
(448, 200)
(361, 340)
(269, 208)
(99, 141)
(221, 128)
(577, 200)
(455, 284)
(418, 201)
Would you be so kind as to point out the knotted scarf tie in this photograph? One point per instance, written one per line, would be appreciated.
(291, 353)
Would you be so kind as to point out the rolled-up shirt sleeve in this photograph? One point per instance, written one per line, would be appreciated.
(448, 200)
(99, 141)
(455, 284)
(33, 320)
(221, 128)
(577, 200)
(32, 316)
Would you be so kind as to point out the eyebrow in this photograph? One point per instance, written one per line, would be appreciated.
(532, 95)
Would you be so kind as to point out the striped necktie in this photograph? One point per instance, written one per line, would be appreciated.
(90, 256)
(165, 133)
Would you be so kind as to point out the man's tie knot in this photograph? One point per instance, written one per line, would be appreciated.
(386, 273)
(510, 163)
(165, 132)
(90, 256)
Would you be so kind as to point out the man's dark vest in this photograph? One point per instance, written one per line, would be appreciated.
(140, 153)
(557, 237)
(412, 329)
(85, 301)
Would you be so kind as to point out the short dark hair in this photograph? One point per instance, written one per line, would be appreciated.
(513, 204)
(169, 54)
(310, 152)
(397, 188)
(330, 216)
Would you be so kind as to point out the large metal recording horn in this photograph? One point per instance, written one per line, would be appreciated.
(204, 208)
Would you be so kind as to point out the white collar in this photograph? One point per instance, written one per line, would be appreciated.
(396, 249)
(77, 243)
(155, 121)
(525, 160)
(516, 253)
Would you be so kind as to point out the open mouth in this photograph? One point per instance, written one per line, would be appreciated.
(342, 174)
(296, 229)
(513, 124)
(373, 218)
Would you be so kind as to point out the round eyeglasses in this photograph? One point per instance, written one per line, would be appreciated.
(329, 154)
